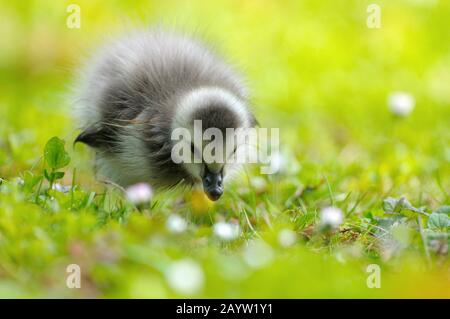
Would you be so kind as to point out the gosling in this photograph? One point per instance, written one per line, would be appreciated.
(136, 91)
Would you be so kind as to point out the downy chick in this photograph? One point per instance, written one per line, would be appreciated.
(137, 90)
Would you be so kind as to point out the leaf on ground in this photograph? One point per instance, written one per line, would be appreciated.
(393, 205)
(439, 222)
(396, 205)
(443, 210)
(55, 155)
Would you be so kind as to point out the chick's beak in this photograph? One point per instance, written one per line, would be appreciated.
(213, 184)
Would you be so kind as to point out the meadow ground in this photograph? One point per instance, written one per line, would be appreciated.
(318, 73)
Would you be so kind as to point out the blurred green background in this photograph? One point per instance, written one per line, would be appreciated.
(315, 70)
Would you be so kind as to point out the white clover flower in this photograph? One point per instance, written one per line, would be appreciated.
(331, 217)
(287, 237)
(401, 103)
(176, 224)
(185, 276)
(258, 254)
(139, 193)
(226, 231)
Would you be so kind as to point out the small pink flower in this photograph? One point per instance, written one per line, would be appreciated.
(139, 194)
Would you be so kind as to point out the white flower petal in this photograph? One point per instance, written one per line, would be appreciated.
(287, 237)
(401, 103)
(331, 217)
(139, 193)
(176, 224)
(258, 254)
(185, 276)
(226, 231)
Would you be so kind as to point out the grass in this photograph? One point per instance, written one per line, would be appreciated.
(316, 72)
